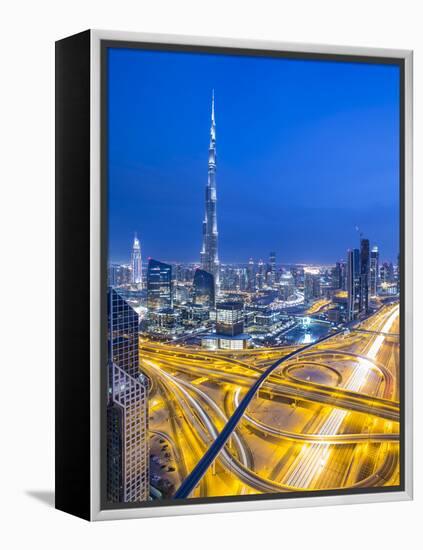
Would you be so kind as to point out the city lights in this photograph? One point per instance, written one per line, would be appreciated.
(256, 376)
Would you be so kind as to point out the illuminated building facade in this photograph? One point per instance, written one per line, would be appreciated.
(260, 275)
(230, 318)
(251, 275)
(364, 274)
(339, 279)
(271, 269)
(136, 262)
(229, 328)
(218, 341)
(159, 286)
(311, 284)
(286, 285)
(374, 271)
(387, 273)
(127, 408)
(209, 252)
(118, 274)
(353, 284)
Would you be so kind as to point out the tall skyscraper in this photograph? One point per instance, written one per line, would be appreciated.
(339, 276)
(242, 278)
(353, 284)
(203, 288)
(209, 252)
(251, 275)
(374, 271)
(271, 270)
(364, 274)
(159, 286)
(298, 275)
(260, 275)
(136, 262)
(127, 408)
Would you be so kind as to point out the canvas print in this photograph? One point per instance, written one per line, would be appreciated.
(253, 275)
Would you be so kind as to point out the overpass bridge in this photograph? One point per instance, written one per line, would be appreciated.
(190, 482)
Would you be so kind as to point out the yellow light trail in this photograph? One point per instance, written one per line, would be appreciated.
(184, 369)
(312, 459)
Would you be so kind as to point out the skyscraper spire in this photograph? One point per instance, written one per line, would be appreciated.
(209, 254)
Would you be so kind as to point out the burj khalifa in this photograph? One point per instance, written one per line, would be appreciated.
(209, 255)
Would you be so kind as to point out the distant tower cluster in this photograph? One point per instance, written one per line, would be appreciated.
(136, 262)
(209, 253)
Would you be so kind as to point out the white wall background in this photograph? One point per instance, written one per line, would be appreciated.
(28, 31)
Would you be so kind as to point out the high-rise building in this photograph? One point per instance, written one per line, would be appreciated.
(286, 285)
(118, 274)
(230, 318)
(251, 275)
(203, 288)
(374, 271)
(298, 275)
(209, 252)
(353, 284)
(260, 275)
(127, 408)
(364, 274)
(159, 285)
(242, 279)
(312, 287)
(339, 276)
(387, 273)
(271, 269)
(136, 262)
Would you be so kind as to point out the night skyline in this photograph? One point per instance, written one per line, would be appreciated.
(321, 139)
(232, 369)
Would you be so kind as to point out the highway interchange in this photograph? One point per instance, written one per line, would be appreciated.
(327, 417)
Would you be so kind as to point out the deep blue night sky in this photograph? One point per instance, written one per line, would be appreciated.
(306, 151)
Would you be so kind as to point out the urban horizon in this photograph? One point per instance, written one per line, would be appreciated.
(323, 143)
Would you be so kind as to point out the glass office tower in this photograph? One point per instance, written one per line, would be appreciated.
(159, 286)
(353, 284)
(203, 288)
(127, 408)
(365, 274)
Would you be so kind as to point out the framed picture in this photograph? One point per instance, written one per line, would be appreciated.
(234, 288)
